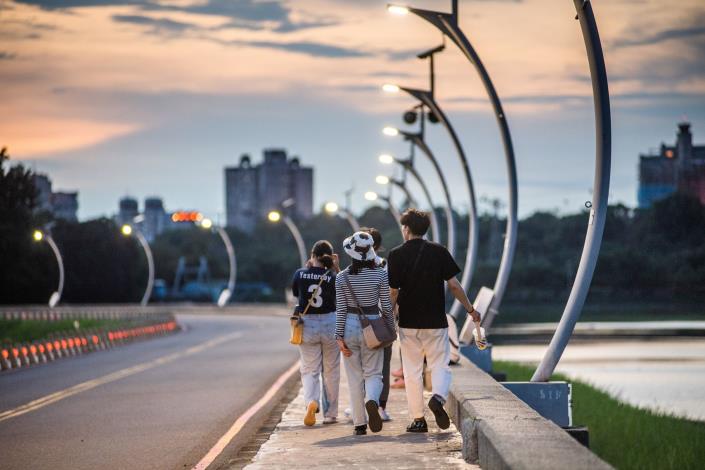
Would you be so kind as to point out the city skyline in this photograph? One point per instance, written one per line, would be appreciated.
(161, 96)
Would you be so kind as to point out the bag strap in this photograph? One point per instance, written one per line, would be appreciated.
(416, 265)
(352, 292)
(310, 299)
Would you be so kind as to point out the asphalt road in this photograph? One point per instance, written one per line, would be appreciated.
(161, 403)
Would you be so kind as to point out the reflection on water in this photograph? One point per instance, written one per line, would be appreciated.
(662, 375)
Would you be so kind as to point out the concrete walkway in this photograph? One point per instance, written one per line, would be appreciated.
(293, 445)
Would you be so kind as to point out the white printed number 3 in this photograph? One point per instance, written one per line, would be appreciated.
(316, 299)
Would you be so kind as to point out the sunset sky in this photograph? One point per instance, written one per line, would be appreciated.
(155, 97)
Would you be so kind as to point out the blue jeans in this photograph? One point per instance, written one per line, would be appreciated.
(363, 369)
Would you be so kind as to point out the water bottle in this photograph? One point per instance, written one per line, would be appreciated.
(478, 335)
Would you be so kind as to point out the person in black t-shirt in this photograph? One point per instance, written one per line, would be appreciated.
(319, 349)
(417, 272)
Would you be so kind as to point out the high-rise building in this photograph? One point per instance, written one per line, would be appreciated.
(155, 217)
(128, 210)
(62, 205)
(679, 167)
(251, 191)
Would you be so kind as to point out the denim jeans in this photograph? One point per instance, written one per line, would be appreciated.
(320, 354)
(363, 369)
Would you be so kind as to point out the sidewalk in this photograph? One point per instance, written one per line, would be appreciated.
(293, 445)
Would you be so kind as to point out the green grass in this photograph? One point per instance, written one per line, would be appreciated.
(625, 436)
(29, 330)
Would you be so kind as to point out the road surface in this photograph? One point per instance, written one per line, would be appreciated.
(659, 374)
(157, 404)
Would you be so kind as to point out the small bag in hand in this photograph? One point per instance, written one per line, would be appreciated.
(376, 332)
(297, 319)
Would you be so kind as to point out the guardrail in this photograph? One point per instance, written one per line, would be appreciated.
(140, 323)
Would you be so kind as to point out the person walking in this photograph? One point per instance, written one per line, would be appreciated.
(314, 286)
(362, 285)
(417, 271)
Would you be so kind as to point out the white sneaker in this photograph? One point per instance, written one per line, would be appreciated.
(330, 420)
(348, 412)
(383, 414)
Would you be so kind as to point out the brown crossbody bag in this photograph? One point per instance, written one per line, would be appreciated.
(376, 332)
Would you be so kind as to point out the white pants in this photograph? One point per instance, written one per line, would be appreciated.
(363, 369)
(319, 352)
(415, 345)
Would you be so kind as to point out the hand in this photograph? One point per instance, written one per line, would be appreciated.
(344, 348)
(475, 316)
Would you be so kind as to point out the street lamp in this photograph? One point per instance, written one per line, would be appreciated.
(224, 297)
(373, 196)
(333, 209)
(275, 216)
(598, 206)
(447, 23)
(129, 230)
(409, 166)
(38, 236)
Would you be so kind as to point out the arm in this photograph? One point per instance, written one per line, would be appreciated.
(457, 290)
(341, 312)
(385, 300)
(394, 295)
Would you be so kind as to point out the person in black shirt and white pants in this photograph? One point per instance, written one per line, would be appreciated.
(417, 272)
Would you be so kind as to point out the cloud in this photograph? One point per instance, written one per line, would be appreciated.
(158, 25)
(7, 55)
(66, 4)
(662, 36)
(314, 49)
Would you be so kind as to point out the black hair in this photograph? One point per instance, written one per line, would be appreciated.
(358, 266)
(323, 252)
(376, 236)
(417, 221)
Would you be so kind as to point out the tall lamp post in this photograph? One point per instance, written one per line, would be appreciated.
(447, 24)
(333, 208)
(129, 230)
(276, 216)
(598, 206)
(38, 236)
(373, 196)
(227, 293)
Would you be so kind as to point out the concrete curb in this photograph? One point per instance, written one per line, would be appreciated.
(500, 431)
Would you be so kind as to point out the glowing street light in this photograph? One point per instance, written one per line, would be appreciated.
(386, 159)
(224, 297)
(371, 196)
(275, 216)
(129, 230)
(398, 9)
(333, 208)
(38, 236)
(390, 131)
(390, 88)
(381, 179)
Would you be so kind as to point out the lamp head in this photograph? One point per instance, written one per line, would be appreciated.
(390, 88)
(126, 230)
(398, 9)
(38, 235)
(206, 223)
(386, 159)
(390, 131)
(381, 179)
(331, 207)
(371, 196)
(274, 216)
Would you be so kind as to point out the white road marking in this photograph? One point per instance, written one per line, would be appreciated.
(244, 418)
(90, 384)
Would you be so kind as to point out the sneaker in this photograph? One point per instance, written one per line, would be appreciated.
(399, 383)
(360, 430)
(311, 410)
(330, 420)
(347, 412)
(435, 404)
(417, 425)
(398, 373)
(384, 415)
(374, 419)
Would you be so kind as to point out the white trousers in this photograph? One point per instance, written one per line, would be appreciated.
(320, 353)
(432, 344)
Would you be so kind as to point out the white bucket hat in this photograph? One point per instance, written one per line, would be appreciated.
(359, 246)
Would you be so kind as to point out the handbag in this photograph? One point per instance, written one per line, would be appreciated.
(378, 334)
(297, 321)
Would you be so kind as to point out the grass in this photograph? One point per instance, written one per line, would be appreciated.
(16, 331)
(625, 436)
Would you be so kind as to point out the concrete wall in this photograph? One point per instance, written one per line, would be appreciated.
(501, 432)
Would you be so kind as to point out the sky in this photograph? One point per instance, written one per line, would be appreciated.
(156, 97)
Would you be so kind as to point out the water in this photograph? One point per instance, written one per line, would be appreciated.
(666, 375)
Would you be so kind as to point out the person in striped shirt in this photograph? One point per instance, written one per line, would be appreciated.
(363, 366)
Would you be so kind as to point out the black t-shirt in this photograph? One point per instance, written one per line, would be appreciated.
(421, 297)
(304, 285)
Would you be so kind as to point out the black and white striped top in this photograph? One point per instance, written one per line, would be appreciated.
(371, 288)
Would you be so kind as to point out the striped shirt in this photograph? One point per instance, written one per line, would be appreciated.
(371, 288)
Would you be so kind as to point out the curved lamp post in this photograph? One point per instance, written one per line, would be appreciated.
(227, 293)
(38, 236)
(129, 230)
(333, 208)
(276, 216)
(598, 207)
(409, 166)
(447, 23)
(373, 196)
